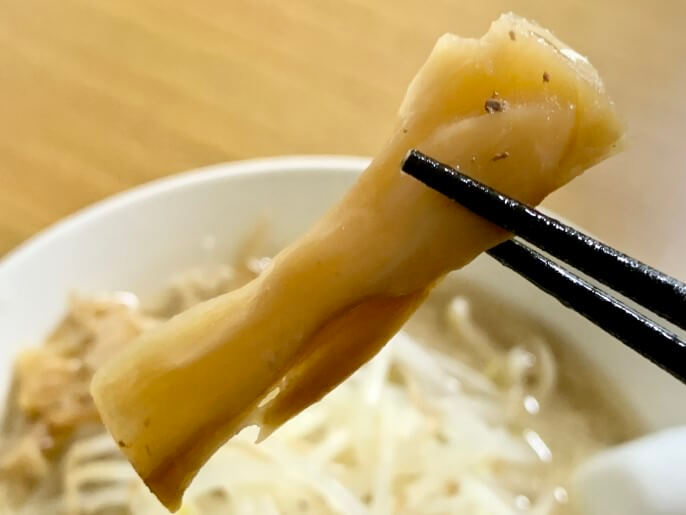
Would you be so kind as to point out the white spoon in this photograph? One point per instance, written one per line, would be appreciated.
(643, 477)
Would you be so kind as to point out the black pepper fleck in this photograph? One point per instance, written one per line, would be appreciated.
(546, 77)
(512, 34)
(404, 131)
(502, 155)
(494, 105)
(147, 450)
(121, 443)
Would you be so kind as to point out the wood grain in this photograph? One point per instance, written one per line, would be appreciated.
(96, 97)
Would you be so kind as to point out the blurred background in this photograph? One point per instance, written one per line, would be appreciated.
(98, 96)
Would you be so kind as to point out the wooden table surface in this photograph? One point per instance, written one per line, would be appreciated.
(98, 96)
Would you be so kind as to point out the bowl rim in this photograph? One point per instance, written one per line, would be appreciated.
(329, 163)
(39, 247)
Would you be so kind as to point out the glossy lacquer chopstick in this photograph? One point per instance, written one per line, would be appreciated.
(652, 289)
(657, 292)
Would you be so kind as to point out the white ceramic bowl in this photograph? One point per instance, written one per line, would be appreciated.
(137, 240)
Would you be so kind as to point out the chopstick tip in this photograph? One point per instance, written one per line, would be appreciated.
(410, 156)
(415, 162)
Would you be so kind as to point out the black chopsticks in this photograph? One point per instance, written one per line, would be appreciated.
(650, 288)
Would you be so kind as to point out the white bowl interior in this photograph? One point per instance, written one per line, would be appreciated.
(137, 240)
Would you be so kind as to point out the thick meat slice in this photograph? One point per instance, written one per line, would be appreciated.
(516, 109)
